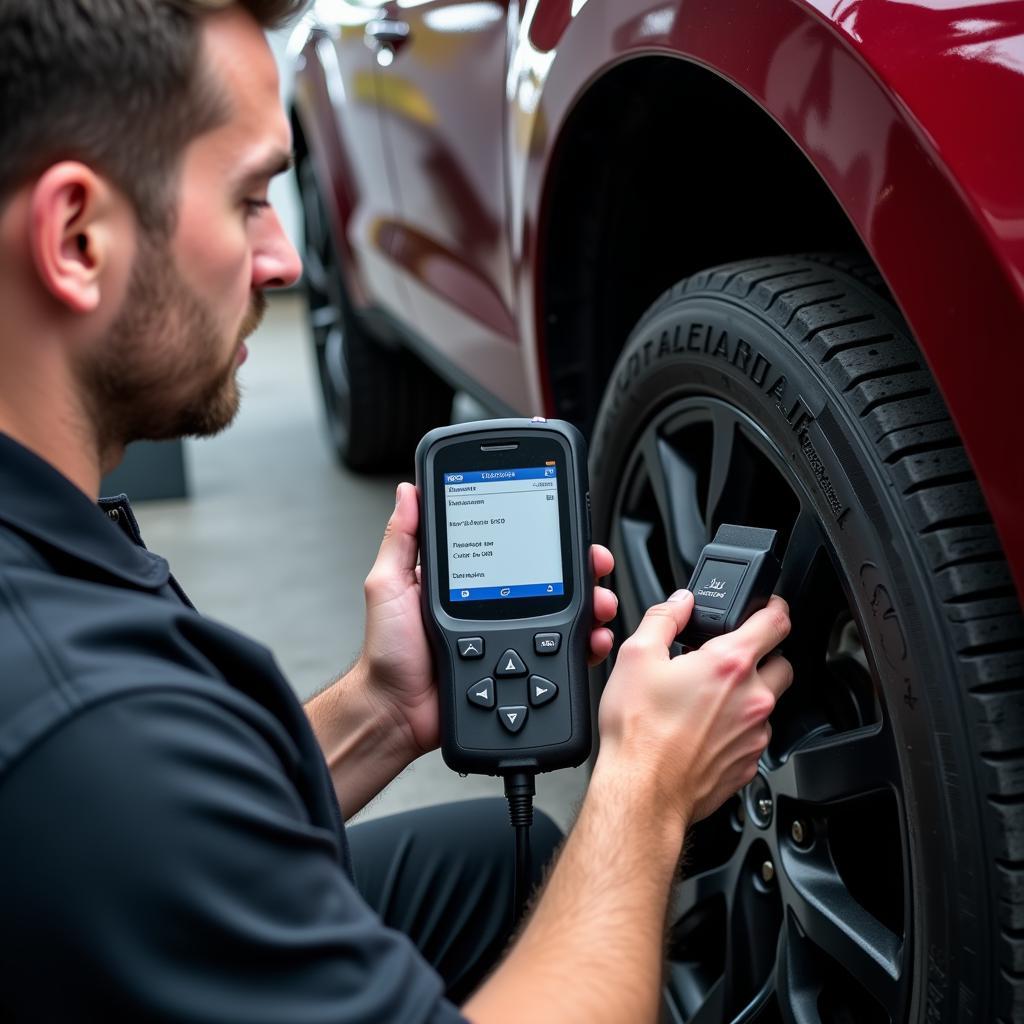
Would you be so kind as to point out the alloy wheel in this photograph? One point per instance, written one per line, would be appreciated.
(782, 915)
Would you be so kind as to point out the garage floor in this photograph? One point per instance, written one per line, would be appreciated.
(276, 539)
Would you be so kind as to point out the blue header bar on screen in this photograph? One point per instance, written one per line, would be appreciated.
(491, 476)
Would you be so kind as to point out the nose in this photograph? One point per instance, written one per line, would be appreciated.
(276, 262)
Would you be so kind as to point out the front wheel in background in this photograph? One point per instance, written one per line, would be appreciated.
(378, 401)
(873, 871)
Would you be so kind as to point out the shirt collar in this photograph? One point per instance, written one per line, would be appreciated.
(38, 501)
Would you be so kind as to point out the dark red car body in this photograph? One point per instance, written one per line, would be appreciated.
(449, 171)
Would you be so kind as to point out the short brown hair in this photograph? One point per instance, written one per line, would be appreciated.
(116, 84)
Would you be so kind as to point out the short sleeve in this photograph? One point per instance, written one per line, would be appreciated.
(159, 864)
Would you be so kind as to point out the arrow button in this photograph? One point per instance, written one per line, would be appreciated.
(541, 690)
(481, 693)
(510, 664)
(512, 718)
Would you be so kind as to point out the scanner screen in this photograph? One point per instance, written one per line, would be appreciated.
(503, 534)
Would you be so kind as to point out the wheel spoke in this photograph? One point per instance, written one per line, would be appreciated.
(754, 919)
(832, 920)
(798, 1002)
(334, 361)
(723, 439)
(637, 581)
(315, 263)
(805, 543)
(839, 766)
(325, 317)
(674, 483)
(693, 891)
(712, 1010)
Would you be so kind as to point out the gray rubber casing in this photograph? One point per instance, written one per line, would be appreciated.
(558, 734)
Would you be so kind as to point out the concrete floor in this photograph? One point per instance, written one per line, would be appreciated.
(276, 538)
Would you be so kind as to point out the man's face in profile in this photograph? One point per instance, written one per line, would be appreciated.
(168, 366)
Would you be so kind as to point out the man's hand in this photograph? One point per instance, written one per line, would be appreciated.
(697, 722)
(396, 660)
(678, 735)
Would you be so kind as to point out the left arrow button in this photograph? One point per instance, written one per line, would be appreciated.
(481, 693)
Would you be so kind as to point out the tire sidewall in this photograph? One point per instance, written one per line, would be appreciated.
(715, 345)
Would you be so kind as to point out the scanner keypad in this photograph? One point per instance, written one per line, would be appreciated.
(513, 689)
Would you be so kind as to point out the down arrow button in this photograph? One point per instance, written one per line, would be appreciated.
(512, 718)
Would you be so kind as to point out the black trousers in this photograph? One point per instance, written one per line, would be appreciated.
(443, 875)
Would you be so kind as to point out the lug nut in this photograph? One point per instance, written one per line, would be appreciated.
(764, 806)
(798, 832)
(767, 872)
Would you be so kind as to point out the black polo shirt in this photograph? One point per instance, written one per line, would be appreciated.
(170, 843)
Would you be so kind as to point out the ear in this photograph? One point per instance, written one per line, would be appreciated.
(73, 231)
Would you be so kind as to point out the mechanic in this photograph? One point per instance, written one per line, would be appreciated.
(172, 842)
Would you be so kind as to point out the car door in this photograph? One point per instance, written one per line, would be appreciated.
(442, 95)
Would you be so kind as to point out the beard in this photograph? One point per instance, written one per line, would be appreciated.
(162, 372)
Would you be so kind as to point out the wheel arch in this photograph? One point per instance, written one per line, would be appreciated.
(612, 240)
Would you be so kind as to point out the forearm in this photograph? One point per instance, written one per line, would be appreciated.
(364, 745)
(594, 947)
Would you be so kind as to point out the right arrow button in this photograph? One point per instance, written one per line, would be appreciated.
(541, 690)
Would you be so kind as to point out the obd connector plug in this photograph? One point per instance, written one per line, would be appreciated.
(734, 577)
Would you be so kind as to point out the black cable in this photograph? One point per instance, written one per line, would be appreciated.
(519, 790)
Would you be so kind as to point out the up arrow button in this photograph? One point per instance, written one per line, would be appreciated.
(510, 664)
(512, 718)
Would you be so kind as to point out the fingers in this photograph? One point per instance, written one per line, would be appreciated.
(601, 642)
(606, 604)
(601, 560)
(398, 548)
(662, 623)
(765, 629)
(777, 674)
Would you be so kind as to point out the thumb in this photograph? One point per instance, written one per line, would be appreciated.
(664, 622)
(398, 548)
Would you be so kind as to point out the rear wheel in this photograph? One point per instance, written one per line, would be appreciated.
(872, 871)
(378, 402)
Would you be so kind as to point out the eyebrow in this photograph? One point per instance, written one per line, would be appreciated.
(276, 163)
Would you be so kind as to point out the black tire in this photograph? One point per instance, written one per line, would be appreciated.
(378, 402)
(787, 393)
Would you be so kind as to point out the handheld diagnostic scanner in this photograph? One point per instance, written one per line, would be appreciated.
(506, 592)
